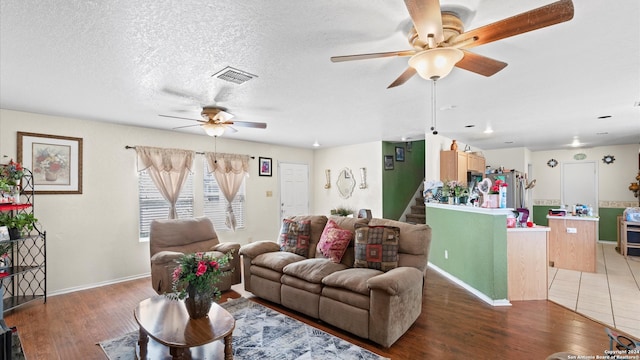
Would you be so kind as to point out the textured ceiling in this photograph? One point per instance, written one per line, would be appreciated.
(129, 61)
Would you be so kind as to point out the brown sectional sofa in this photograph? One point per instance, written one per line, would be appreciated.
(376, 305)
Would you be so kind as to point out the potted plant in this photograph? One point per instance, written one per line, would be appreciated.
(17, 223)
(342, 211)
(195, 279)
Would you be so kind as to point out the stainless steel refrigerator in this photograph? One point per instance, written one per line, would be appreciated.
(515, 187)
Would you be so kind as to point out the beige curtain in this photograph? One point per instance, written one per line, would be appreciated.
(168, 169)
(229, 171)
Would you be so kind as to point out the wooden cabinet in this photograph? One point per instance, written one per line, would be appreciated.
(453, 166)
(475, 163)
(572, 242)
(527, 263)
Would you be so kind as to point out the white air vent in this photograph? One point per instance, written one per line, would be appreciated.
(234, 75)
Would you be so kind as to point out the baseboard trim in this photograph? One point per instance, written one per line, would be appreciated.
(103, 283)
(471, 289)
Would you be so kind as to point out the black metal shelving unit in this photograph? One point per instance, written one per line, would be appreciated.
(26, 279)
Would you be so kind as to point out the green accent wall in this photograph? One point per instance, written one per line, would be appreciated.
(540, 214)
(400, 184)
(477, 248)
(607, 226)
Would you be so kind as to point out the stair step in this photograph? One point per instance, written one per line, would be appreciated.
(416, 218)
(418, 209)
(419, 201)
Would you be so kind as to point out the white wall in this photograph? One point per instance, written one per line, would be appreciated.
(613, 179)
(367, 155)
(92, 238)
(511, 158)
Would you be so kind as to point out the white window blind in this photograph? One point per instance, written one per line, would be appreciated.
(215, 205)
(153, 206)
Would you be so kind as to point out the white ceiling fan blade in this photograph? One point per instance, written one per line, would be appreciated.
(427, 20)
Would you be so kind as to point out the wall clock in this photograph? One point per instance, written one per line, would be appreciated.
(552, 163)
(580, 156)
(608, 159)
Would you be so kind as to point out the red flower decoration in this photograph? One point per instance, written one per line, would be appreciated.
(202, 268)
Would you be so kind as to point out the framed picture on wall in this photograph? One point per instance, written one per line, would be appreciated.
(399, 153)
(265, 166)
(55, 161)
(388, 162)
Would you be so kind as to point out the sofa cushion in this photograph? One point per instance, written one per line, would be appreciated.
(376, 247)
(334, 241)
(295, 236)
(312, 270)
(354, 279)
(318, 223)
(276, 260)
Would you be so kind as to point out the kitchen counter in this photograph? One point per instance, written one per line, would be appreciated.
(572, 242)
(473, 247)
(527, 263)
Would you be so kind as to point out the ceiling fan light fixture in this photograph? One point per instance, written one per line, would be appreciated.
(213, 129)
(434, 64)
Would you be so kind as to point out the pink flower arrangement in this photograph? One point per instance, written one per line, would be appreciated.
(199, 270)
(495, 188)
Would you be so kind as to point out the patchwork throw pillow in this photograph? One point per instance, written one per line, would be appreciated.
(294, 236)
(376, 247)
(334, 241)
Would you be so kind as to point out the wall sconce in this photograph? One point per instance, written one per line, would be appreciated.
(363, 178)
(327, 175)
(635, 186)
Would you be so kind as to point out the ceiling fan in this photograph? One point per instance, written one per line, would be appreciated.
(217, 120)
(440, 43)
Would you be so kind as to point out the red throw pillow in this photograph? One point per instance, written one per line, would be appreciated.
(334, 241)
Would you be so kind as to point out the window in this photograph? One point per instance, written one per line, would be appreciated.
(153, 206)
(215, 205)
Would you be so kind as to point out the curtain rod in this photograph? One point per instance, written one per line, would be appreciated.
(197, 152)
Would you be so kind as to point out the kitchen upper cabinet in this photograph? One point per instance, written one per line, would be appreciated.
(475, 163)
(453, 166)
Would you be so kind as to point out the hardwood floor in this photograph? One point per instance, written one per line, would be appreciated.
(453, 325)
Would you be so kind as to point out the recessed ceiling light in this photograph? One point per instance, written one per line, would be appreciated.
(508, 142)
(604, 117)
(316, 144)
(602, 133)
(488, 130)
(469, 126)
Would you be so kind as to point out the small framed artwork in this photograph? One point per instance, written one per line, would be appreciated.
(399, 153)
(388, 162)
(4, 233)
(265, 166)
(55, 161)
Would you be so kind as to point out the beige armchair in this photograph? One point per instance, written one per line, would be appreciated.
(169, 239)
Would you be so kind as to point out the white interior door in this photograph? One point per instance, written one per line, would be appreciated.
(294, 189)
(580, 185)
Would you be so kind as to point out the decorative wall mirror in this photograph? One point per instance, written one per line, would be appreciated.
(345, 183)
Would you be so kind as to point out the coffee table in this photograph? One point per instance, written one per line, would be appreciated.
(167, 322)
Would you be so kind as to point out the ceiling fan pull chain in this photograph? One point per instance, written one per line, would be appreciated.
(433, 107)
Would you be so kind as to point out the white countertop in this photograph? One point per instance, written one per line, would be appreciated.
(571, 217)
(464, 208)
(530, 229)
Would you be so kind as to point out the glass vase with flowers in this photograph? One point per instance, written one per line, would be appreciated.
(195, 279)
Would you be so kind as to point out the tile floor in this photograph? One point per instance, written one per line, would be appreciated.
(611, 295)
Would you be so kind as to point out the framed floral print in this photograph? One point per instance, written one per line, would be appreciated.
(55, 161)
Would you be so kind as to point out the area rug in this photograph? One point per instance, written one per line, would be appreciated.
(262, 333)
